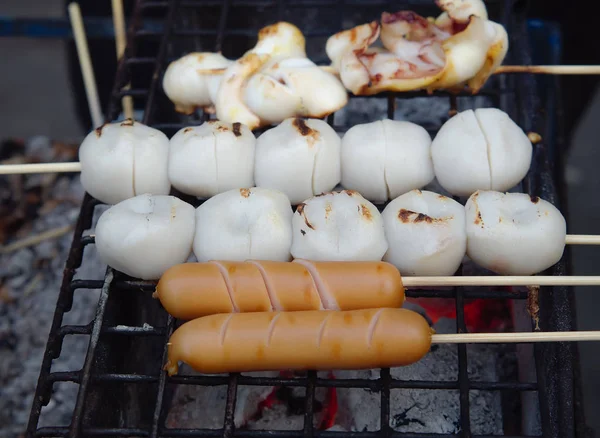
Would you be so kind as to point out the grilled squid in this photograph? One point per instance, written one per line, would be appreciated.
(338, 226)
(514, 233)
(124, 159)
(269, 83)
(480, 150)
(212, 158)
(385, 159)
(299, 157)
(461, 47)
(426, 233)
(145, 235)
(241, 224)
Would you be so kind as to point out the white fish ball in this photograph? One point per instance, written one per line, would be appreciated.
(480, 150)
(514, 233)
(338, 226)
(124, 159)
(299, 157)
(212, 158)
(146, 235)
(426, 233)
(386, 158)
(241, 224)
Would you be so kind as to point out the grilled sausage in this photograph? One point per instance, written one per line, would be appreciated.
(315, 340)
(192, 290)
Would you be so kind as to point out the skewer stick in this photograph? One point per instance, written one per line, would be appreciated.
(486, 338)
(85, 63)
(503, 280)
(13, 169)
(121, 43)
(550, 69)
(582, 239)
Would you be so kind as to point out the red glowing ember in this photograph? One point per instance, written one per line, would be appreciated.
(330, 408)
(481, 315)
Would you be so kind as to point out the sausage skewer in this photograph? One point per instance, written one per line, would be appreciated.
(193, 290)
(321, 340)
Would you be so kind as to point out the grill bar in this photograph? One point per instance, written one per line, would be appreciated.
(87, 367)
(151, 50)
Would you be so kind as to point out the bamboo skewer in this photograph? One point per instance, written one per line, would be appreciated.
(550, 69)
(14, 169)
(500, 338)
(85, 63)
(121, 43)
(503, 280)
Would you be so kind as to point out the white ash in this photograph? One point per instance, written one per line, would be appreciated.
(427, 411)
(32, 276)
(195, 406)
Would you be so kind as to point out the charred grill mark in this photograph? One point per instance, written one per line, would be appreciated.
(478, 219)
(187, 129)
(127, 122)
(405, 216)
(245, 192)
(237, 129)
(364, 210)
(302, 127)
(534, 199)
(303, 232)
(423, 218)
(300, 211)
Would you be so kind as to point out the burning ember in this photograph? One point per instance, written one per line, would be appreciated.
(481, 315)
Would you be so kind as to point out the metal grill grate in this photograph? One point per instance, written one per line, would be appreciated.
(122, 388)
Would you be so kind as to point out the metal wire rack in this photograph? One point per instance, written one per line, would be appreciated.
(122, 388)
